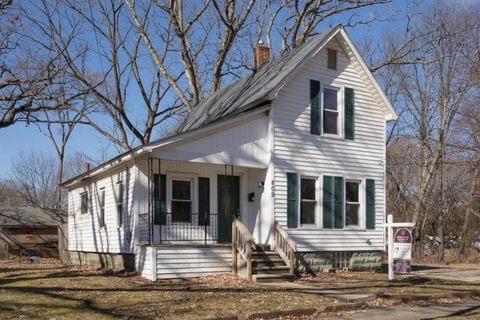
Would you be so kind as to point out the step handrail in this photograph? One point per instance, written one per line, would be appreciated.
(285, 246)
(243, 242)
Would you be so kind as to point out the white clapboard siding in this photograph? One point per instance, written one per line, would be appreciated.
(296, 150)
(144, 258)
(183, 262)
(244, 144)
(84, 231)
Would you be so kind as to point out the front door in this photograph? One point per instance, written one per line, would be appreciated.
(228, 200)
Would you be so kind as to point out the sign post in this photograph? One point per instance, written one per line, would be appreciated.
(404, 250)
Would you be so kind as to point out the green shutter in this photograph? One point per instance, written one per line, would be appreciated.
(349, 114)
(328, 202)
(159, 198)
(204, 201)
(315, 114)
(292, 202)
(333, 194)
(370, 203)
(338, 206)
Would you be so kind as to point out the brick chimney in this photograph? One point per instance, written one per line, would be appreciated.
(87, 166)
(261, 55)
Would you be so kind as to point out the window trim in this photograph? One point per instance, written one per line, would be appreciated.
(336, 58)
(193, 179)
(117, 204)
(340, 110)
(361, 203)
(84, 193)
(317, 202)
(101, 206)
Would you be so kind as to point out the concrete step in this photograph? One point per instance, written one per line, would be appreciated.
(271, 270)
(277, 277)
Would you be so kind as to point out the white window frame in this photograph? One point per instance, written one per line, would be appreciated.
(361, 204)
(101, 206)
(192, 178)
(336, 59)
(317, 201)
(117, 203)
(340, 111)
(81, 202)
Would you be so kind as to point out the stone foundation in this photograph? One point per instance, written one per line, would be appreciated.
(314, 262)
(117, 261)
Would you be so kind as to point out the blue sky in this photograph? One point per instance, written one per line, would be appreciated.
(86, 140)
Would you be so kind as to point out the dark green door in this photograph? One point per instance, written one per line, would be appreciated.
(228, 196)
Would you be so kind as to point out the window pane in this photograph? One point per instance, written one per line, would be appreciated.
(352, 214)
(181, 210)
(307, 212)
(308, 189)
(84, 203)
(120, 193)
(351, 191)
(181, 190)
(330, 99)
(330, 122)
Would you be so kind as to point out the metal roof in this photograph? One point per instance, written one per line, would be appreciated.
(250, 90)
(31, 216)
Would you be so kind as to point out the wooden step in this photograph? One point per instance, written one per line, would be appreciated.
(259, 262)
(271, 270)
(265, 254)
(277, 277)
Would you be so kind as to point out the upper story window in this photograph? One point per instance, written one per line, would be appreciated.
(331, 111)
(181, 200)
(308, 201)
(84, 202)
(352, 203)
(120, 200)
(332, 59)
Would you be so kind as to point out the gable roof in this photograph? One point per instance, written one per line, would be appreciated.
(31, 216)
(252, 91)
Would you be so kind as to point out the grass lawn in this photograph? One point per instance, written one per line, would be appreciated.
(373, 282)
(51, 291)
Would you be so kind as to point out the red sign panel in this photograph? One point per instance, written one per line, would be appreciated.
(402, 251)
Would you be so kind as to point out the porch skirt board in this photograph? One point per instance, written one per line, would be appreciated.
(173, 262)
(318, 261)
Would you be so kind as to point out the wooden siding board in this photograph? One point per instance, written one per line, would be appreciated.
(295, 149)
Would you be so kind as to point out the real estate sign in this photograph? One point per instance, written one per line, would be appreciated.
(402, 250)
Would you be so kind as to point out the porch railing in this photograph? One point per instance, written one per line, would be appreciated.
(285, 246)
(192, 228)
(243, 243)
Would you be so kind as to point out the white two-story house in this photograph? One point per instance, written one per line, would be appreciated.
(282, 171)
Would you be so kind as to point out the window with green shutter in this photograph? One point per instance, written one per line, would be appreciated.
(349, 125)
(370, 203)
(292, 199)
(315, 113)
(333, 196)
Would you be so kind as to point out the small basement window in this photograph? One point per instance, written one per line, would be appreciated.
(352, 203)
(332, 59)
(84, 202)
(308, 201)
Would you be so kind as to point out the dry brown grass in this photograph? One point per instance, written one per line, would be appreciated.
(52, 291)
